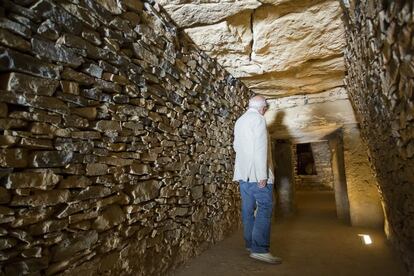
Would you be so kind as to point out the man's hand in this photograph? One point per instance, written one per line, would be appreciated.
(262, 183)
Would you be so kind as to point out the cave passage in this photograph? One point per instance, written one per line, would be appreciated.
(314, 242)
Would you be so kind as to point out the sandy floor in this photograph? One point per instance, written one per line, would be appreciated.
(313, 242)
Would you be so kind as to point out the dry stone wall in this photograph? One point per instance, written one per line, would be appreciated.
(380, 81)
(115, 140)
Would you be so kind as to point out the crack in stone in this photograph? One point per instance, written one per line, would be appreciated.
(251, 29)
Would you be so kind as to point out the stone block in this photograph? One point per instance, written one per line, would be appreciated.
(93, 70)
(24, 83)
(31, 143)
(83, 14)
(45, 159)
(136, 6)
(112, 6)
(12, 60)
(15, 27)
(75, 121)
(4, 196)
(65, 20)
(197, 192)
(3, 110)
(120, 99)
(27, 266)
(93, 192)
(47, 226)
(42, 129)
(44, 198)
(92, 37)
(75, 181)
(139, 169)
(73, 208)
(115, 78)
(143, 53)
(49, 30)
(6, 243)
(19, 8)
(106, 125)
(144, 191)
(5, 211)
(178, 211)
(83, 216)
(96, 169)
(13, 41)
(38, 180)
(80, 43)
(30, 216)
(81, 78)
(132, 17)
(85, 112)
(108, 86)
(68, 248)
(110, 217)
(37, 115)
(34, 252)
(56, 52)
(48, 103)
(115, 161)
(132, 110)
(70, 87)
(13, 158)
(12, 124)
(81, 225)
(119, 198)
(86, 135)
(167, 191)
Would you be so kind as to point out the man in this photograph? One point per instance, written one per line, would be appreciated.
(253, 169)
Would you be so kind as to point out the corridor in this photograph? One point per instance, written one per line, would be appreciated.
(313, 242)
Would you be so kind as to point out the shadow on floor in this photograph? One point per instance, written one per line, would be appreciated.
(313, 242)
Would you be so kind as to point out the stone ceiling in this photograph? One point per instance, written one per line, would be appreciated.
(277, 47)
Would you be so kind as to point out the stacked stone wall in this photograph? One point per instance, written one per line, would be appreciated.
(380, 81)
(115, 140)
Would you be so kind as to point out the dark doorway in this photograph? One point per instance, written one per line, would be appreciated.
(305, 159)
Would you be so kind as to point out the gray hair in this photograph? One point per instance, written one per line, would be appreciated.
(257, 103)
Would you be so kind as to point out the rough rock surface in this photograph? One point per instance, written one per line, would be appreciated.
(115, 150)
(380, 67)
(277, 47)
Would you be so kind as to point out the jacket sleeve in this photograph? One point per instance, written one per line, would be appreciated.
(260, 150)
(236, 139)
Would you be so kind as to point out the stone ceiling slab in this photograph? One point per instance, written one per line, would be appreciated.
(309, 117)
(190, 13)
(276, 47)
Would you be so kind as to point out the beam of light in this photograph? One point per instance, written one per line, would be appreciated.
(366, 239)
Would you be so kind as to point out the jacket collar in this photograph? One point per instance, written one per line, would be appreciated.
(254, 110)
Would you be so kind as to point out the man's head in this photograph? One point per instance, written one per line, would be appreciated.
(259, 103)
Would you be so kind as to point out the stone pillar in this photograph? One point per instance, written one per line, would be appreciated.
(364, 199)
(339, 177)
(285, 181)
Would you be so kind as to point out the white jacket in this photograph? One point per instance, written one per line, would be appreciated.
(253, 153)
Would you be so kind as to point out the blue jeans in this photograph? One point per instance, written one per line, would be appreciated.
(256, 229)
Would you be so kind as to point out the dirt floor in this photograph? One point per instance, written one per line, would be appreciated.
(313, 242)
